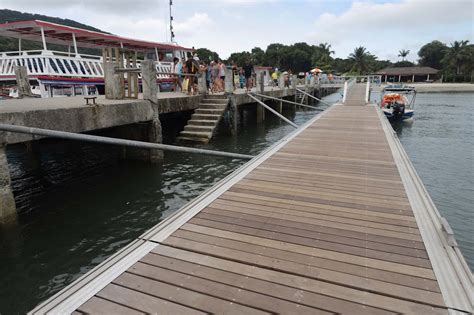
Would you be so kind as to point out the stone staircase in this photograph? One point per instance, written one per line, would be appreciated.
(200, 127)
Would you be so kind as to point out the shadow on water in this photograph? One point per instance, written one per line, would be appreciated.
(80, 202)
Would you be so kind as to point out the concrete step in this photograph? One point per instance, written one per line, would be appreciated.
(223, 101)
(206, 117)
(195, 134)
(200, 122)
(192, 139)
(214, 96)
(212, 106)
(199, 128)
(204, 111)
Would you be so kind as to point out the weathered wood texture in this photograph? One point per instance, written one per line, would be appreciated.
(322, 226)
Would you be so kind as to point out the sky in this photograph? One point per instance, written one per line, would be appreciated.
(226, 26)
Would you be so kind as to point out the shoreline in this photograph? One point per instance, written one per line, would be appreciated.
(442, 87)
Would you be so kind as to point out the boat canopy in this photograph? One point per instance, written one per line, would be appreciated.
(41, 31)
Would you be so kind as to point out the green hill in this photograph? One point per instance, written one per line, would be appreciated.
(11, 44)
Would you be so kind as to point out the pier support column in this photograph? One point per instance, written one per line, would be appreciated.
(149, 85)
(260, 113)
(234, 116)
(7, 201)
(155, 135)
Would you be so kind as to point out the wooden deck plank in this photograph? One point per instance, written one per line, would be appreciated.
(222, 291)
(318, 252)
(276, 290)
(143, 302)
(179, 295)
(344, 267)
(357, 221)
(98, 305)
(314, 272)
(308, 231)
(316, 243)
(311, 211)
(301, 282)
(289, 203)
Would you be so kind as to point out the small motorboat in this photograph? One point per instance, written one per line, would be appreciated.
(398, 102)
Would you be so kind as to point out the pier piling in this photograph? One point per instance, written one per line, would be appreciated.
(7, 201)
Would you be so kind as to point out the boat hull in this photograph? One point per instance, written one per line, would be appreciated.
(406, 115)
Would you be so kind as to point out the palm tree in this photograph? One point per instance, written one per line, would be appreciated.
(360, 60)
(457, 55)
(322, 56)
(403, 53)
(326, 49)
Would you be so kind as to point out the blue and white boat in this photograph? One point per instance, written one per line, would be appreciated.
(398, 102)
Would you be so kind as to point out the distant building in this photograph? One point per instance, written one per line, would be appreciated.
(408, 74)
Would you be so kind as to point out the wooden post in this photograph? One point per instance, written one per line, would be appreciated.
(23, 85)
(149, 85)
(7, 201)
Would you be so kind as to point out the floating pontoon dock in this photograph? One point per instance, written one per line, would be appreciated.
(331, 219)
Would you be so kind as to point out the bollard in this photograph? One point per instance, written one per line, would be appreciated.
(149, 85)
(281, 81)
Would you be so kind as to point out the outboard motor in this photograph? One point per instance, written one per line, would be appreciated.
(398, 109)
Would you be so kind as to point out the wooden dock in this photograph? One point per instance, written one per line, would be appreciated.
(328, 220)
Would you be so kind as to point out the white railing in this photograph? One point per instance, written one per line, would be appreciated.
(347, 85)
(367, 90)
(63, 64)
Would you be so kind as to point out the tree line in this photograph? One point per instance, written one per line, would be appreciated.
(457, 58)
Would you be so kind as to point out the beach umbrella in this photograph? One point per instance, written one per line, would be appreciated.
(316, 70)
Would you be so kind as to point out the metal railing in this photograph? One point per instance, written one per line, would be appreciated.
(64, 64)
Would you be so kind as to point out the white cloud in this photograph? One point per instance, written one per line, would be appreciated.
(389, 25)
(197, 23)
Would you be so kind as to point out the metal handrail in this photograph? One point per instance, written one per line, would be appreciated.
(115, 141)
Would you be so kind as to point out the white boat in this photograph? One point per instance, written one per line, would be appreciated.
(70, 73)
(398, 102)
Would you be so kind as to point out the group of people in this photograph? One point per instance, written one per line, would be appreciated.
(186, 75)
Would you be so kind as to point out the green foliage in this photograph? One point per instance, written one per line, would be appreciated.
(362, 61)
(457, 57)
(404, 63)
(206, 54)
(432, 54)
(403, 53)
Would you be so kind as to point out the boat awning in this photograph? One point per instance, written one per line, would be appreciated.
(63, 35)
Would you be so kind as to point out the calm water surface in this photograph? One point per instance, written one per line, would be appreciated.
(81, 203)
